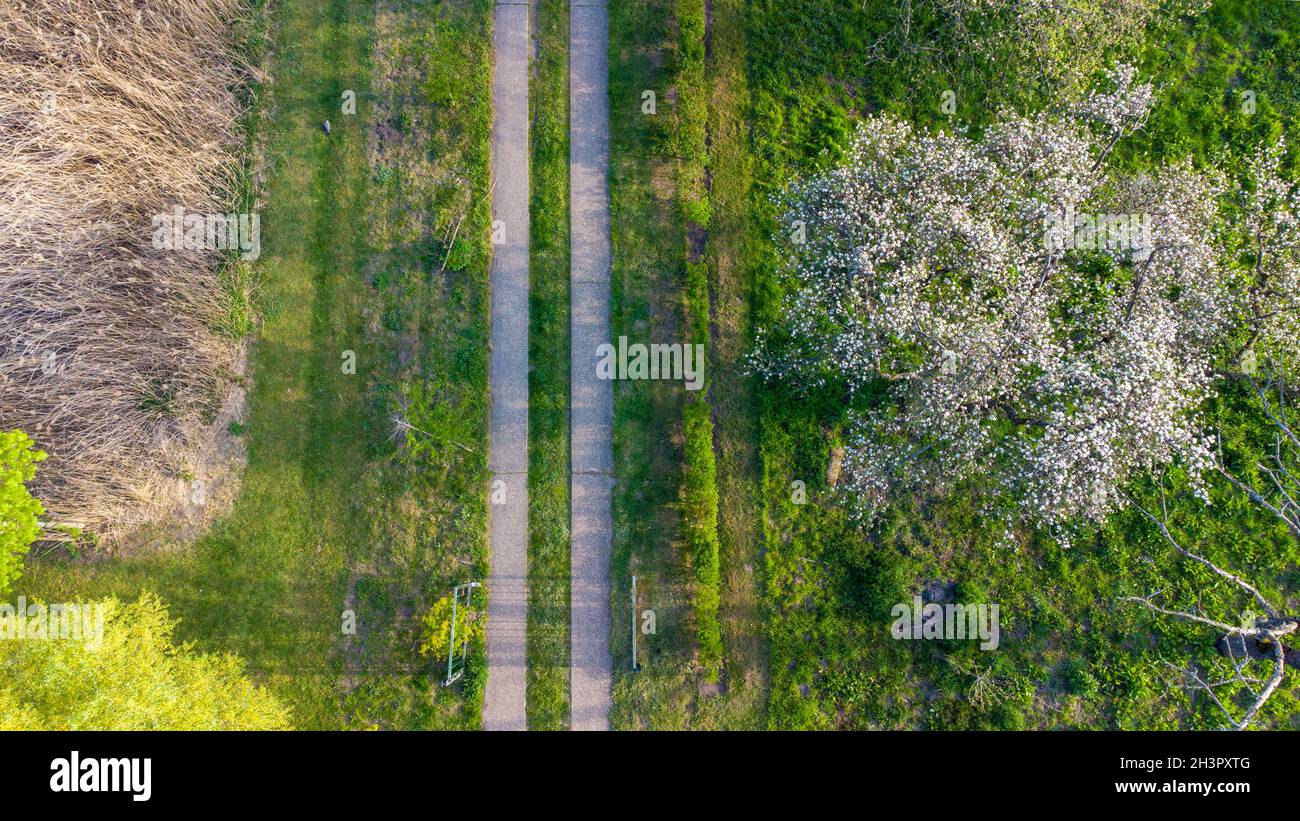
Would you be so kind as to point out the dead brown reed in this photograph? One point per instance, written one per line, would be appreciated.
(112, 111)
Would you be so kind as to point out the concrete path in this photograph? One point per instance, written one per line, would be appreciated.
(592, 400)
(507, 590)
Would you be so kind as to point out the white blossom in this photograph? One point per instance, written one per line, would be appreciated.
(1055, 375)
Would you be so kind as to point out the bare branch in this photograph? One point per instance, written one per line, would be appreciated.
(1234, 578)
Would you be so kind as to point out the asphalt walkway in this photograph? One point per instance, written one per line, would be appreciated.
(507, 587)
(592, 399)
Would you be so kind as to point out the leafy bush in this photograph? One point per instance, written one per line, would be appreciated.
(700, 488)
(19, 512)
(132, 677)
(436, 628)
(870, 580)
(1079, 679)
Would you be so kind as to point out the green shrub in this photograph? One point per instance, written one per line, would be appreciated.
(130, 674)
(1079, 679)
(700, 489)
(697, 211)
(435, 629)
(871, 579)
(19, 512)
(701, 514)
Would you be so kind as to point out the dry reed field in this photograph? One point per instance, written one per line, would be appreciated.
(115, 356)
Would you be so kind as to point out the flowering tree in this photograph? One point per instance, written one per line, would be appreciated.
(1269, 247)
(1027, 315)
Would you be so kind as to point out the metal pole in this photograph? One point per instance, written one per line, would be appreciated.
(464, 651)
(635, 666)
(451, 645)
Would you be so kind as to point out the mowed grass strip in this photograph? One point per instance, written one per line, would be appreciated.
(548, 438)
(650, 284)
(645, 304)
(731, 255)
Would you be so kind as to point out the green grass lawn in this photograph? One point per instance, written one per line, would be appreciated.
(548, 402)
(646, 288)
(654, 190)
(729, 255)
(359, 256)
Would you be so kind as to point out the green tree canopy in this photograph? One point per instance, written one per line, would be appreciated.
(132, 678)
